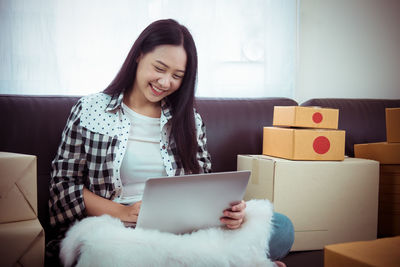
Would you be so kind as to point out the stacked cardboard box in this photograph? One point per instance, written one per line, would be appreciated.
(21, 234)
(329, 200)
(388, 154)
(304, 133)
(380, 252)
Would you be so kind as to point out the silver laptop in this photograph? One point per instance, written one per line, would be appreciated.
(183, 204)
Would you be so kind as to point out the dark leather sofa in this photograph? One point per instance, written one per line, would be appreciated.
(33, 125)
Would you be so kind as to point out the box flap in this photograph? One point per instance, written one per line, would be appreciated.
(17, 238)
(393, 124)
(15, 207)
(18, 187)
(34, 256)
(384, 152)
(13, 166)
(261, 181)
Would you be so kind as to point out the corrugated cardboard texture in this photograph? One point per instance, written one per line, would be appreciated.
(385, 153)
(306, 117)
(327, 201)
(22, 244)
(393, 125)
(18, 192)
(304, 144)
(380, 252)
(389, 201)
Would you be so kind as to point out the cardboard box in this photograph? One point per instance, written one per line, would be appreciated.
(261, 185)
(390, 174)
(306, 117)
(393, 125)
(384, 152)
(380, 252)
(304, 144)
(22, 244)
(18, 191)
(327, 201)
(389, 201)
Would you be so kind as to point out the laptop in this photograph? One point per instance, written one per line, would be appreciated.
(183, 204)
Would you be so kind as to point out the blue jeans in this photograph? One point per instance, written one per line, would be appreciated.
(282, 236)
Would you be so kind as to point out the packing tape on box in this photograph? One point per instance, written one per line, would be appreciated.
(255, 171)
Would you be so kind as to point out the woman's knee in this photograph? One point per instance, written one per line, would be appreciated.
(282, 236)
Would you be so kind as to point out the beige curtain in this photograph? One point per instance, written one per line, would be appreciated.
(246, 48)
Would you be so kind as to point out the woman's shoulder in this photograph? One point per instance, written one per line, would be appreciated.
(96, 99)
(90, 104)
(95, 102)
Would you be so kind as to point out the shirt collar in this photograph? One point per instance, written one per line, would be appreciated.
(166, 108)
(115, 102)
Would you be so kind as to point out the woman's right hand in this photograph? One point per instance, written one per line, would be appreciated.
(132, 212)
(97, 206)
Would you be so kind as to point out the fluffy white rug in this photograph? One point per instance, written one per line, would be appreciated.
(104, 241)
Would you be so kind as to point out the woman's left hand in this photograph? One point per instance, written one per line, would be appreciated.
(233, 217)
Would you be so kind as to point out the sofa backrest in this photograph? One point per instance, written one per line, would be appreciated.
(33, 125)
(235, 126)
(362, 119)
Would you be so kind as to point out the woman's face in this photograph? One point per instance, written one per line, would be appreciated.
(160, 72)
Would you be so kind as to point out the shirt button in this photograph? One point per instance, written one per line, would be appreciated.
(163, 147)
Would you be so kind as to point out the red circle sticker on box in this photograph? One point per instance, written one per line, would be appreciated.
(321, 144)
(317, 117)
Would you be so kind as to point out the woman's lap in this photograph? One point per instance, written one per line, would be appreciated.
(282, 236)
(281, 241)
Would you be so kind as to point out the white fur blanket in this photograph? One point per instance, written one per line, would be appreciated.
(105, 241)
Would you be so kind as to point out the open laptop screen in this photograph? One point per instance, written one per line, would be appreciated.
(187, 203)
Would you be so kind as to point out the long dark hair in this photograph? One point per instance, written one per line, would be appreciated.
(183, 131)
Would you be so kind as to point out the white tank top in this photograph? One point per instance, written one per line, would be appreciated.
(142, 159)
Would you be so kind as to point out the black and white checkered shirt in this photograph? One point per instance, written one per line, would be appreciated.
(93, 145)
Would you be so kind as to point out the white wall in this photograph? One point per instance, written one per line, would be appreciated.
(348, 49)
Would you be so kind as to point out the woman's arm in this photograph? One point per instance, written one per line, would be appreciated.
(66, 184)
(96, 206)
(69, 198)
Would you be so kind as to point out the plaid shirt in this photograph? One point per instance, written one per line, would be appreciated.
(93, 145)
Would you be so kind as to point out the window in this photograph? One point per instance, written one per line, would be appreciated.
(246, 48)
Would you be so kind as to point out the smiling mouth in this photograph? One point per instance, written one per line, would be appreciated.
(156, 91)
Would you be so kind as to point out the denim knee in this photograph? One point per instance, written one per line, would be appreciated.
(282, 236)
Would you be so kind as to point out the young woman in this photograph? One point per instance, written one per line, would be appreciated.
(142, 125)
